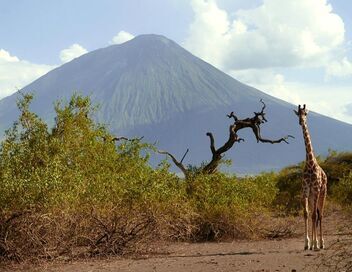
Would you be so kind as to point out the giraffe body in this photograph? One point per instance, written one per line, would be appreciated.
(314, 188)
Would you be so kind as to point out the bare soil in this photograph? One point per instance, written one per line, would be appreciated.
(262, 255)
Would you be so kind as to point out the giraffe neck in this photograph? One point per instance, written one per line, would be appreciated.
(308, 143)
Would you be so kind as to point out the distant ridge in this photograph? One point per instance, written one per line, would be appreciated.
(151, 86)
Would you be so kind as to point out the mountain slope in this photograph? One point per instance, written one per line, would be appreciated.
(153, 87)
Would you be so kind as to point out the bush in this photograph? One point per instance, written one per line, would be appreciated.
(72, 191)
(342, 191)
(54, 183)
(289, 183)
(225, 204)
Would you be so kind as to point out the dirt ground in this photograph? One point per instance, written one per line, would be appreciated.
(263, 255)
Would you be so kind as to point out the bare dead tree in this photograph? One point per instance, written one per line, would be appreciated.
(253, 123)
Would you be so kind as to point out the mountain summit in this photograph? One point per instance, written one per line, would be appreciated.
(153, 87)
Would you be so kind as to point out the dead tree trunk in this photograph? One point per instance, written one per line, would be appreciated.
(217, 154)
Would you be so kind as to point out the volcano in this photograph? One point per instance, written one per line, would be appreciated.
(152, 87)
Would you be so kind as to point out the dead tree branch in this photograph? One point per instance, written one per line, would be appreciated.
(179, 164)
(116, 139)
(184, 155)
(253, 123)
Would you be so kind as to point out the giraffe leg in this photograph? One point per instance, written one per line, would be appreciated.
(314, 245)
(320, 217)
(305, 213)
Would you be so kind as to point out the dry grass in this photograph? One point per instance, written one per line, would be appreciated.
(280, 228)
(35, 236)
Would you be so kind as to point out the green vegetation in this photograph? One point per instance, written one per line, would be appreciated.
(338, 168)
(72, 191)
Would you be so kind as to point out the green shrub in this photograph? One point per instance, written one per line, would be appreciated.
(73, 186)
(336, 166)
(75, 169)
(289, 183)
(225, 204)
(342, 191)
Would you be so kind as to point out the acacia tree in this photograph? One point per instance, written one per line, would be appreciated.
(253, 123)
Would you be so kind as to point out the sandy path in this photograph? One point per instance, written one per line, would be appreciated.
(264, 255)
(284, 255)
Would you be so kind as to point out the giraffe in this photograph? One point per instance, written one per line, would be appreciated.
(314, 187)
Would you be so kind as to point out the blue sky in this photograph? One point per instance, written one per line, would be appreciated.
(297, 50)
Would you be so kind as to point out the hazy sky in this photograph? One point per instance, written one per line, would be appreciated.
(298, 50)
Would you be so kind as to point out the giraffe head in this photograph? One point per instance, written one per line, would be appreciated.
(302, 114)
